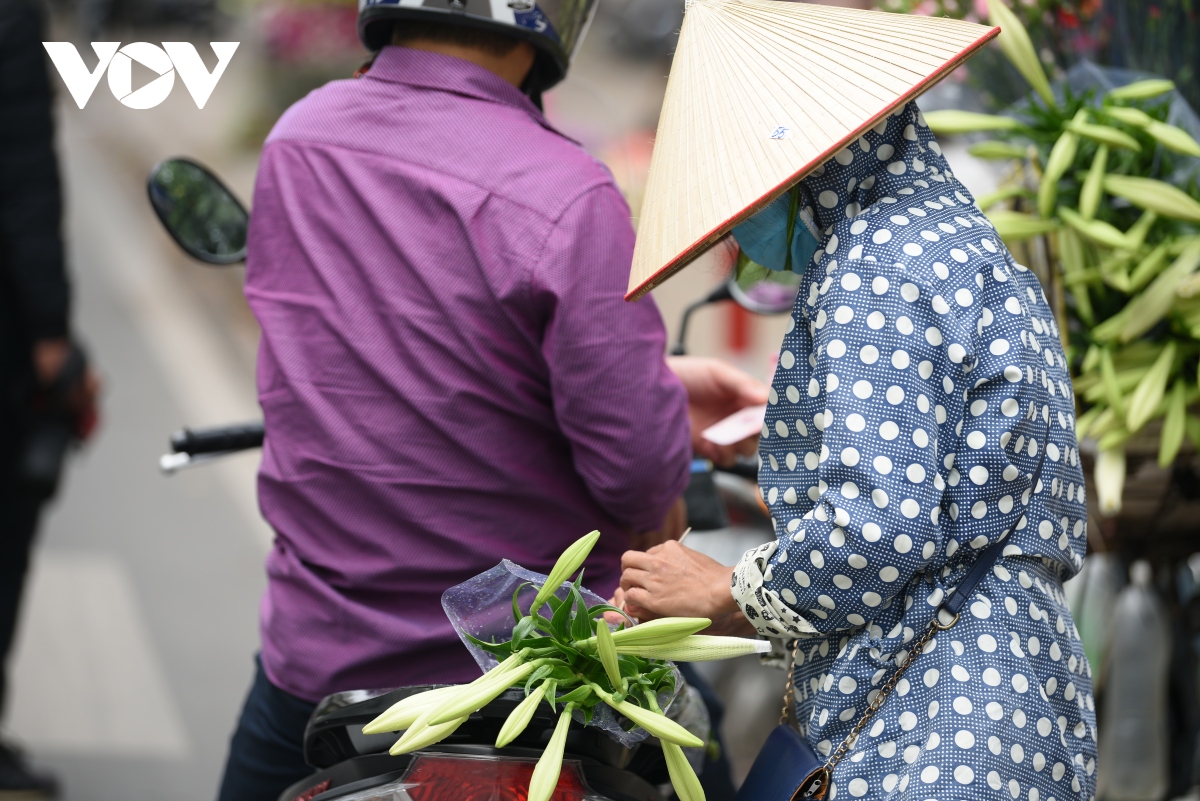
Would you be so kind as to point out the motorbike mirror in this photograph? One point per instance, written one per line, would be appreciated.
(762, 291)
(199, 213)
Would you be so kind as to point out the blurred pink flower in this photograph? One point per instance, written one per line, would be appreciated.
(981, 8)
(925, 8)
(298, 33)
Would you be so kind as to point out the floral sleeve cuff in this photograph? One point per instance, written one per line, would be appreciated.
(763, 607)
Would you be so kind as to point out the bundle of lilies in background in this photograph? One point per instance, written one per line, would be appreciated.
(570, 658)
(1088, 182)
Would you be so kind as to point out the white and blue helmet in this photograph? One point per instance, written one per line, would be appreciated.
(554, 27)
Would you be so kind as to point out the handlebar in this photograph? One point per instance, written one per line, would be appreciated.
(223, 439)
(191, 446)
(745, 468)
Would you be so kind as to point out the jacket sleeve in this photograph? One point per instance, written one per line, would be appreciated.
(622, 409)
(859, 507)
(31, 248)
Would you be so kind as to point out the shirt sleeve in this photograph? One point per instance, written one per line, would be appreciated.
(31, 249)
(621, 408)
(889, 372)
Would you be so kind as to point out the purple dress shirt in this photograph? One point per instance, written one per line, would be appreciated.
(448, 371)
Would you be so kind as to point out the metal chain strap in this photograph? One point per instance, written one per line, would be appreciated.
(847, 744)
(788, 715)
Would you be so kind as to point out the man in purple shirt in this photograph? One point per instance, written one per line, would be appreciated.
(448, 371)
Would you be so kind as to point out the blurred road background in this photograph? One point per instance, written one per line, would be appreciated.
(140, 627)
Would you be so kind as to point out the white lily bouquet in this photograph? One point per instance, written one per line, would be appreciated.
(562, 652)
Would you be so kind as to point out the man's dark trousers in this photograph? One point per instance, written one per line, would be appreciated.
(266, 755)
(18, 523)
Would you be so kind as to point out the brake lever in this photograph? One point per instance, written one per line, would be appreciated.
(171, 463)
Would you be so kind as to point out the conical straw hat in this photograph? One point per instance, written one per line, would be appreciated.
(761, 93)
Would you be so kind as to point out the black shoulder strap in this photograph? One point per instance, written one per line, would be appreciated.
(957, 599)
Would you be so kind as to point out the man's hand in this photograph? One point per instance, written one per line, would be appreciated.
(49, 358)
(671, 580)
(671, 529)
(715, 391)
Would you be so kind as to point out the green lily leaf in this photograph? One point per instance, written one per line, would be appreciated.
(560, 625)
(581, 693)
(536, 677)
(502, 650)
(523, 629)
(594, 612)
(517, 614)
(629, 667)
(581, 626)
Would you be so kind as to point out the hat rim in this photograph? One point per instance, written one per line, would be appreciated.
(701, 245)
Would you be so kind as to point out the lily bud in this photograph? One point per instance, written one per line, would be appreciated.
(956, 122)
(1149, 392)
(418, 737)
(545, 774)
(1105, 134)
(403, 713)
(698, 648)
(660, 726)
(570, 561)
(1147, 193)
(683, 778)
(608, 655)
(1109, 475)
(1013, 226)
(519, 718)
(478, 697)
(1142, 90)
(662, 631)
(1018, 47)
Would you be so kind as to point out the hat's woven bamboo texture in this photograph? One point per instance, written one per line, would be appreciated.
(761, 93)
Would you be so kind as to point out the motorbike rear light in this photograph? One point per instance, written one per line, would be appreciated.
(453, 778)
(313, 791)
(447, 777)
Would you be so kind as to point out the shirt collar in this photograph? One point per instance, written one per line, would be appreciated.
(449, 74)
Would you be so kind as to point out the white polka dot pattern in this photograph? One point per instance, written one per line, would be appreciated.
(922, 369)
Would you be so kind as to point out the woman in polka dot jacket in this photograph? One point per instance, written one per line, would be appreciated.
(917, 381)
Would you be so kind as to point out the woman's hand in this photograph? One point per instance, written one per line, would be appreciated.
(671, 580)
(715, 391)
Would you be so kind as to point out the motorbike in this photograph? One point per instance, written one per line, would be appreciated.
(725, 512)
(352, 766)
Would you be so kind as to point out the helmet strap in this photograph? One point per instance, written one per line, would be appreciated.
(365, 67)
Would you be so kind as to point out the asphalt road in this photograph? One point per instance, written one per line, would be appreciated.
(140, 625)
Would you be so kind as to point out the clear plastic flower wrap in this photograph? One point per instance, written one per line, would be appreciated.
(482, 608)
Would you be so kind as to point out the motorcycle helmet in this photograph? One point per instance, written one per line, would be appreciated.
(554, 27)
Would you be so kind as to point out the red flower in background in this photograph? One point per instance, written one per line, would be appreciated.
(1067, 19)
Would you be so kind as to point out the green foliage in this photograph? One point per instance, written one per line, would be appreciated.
(1160, 37)
(1091, 179)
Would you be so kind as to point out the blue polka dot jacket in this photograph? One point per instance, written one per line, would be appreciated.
(920, 382)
